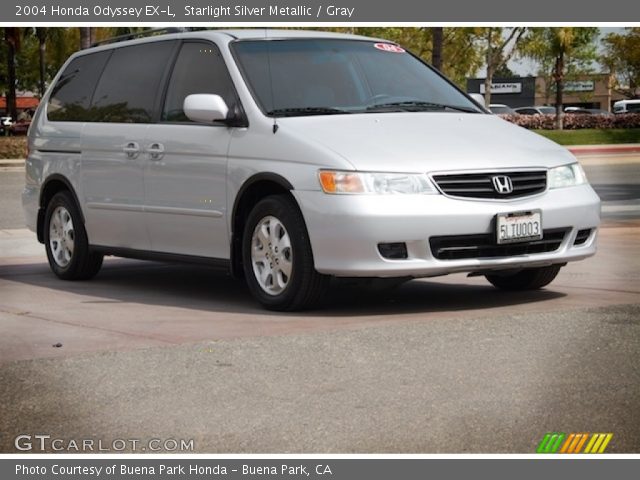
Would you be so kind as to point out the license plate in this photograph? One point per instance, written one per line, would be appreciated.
(518, 227)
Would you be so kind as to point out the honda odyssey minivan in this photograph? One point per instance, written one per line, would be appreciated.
(289, 158)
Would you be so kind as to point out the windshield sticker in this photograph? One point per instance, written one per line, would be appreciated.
(388, 47)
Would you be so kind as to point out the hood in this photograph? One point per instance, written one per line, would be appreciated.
(428, 142)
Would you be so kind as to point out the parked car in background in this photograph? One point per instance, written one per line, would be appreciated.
(626, 106)
(501, 109)
(539, 110)
(585, 111)
(5, 124)
(21, 127)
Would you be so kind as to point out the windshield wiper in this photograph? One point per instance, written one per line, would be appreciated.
(417, 106)
(301, 111)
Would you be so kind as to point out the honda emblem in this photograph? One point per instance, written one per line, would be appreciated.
(502, 184)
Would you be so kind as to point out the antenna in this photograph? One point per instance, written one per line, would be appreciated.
(273, 102)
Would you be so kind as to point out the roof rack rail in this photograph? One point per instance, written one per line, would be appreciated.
(144, 33)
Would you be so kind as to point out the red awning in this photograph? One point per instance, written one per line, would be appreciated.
(22, 103)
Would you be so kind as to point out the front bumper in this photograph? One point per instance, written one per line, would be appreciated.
(345, 230)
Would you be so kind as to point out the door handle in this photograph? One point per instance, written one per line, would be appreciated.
(155, 151)
(132, 149)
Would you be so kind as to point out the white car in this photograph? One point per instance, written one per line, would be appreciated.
(290, 157)
(501, 109)
(626, 106)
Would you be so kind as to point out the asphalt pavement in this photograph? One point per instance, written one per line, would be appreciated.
(153, 350)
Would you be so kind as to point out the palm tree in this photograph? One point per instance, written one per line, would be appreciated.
(436, 52)
(12, 40)
(85, 37)
(41, 33)
(563, 49)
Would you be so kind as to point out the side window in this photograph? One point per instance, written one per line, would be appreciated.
(71, 96)
(128, 88)
(198, 69)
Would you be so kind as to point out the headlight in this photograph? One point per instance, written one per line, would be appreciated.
(567, 176)
(341, 182)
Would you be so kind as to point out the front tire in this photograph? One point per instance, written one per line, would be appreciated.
(527, 279)
(277, 257)
(66, 241)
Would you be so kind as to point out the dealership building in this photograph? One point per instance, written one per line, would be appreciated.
(589, 91)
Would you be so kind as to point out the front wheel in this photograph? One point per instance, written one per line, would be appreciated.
(277, 257)
(527, 279)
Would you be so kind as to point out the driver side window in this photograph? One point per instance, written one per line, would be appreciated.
(198, 69)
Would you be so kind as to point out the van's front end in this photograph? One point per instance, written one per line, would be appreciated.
(419, 180)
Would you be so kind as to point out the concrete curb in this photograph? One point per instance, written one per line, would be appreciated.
(604, 149)
(11, 162)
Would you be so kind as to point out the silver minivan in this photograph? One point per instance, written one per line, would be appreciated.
(289, 158)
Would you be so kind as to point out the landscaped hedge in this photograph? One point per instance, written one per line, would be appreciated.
(13, 147)
(576, 121)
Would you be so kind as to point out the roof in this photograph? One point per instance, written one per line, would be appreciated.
(230, 34)
(264, 33)
(22, 103)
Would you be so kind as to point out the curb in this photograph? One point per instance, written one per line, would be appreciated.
(604, 149)
(11, 162)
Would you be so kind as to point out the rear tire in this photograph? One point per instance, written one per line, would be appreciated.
(277, 257)
(66, 242)
(527, 279)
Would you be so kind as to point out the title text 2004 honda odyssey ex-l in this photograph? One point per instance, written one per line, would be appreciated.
(292, 157)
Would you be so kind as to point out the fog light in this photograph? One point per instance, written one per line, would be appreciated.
(393, 251)
(582, 236)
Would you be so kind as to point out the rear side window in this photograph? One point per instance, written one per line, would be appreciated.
(128, 88)
(71, 97)
(198, 69)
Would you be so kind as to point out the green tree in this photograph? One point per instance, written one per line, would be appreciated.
(500, 45)
(564, 50)
(622, 57)
(12, 41)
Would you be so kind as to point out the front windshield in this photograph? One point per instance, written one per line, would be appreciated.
(326, 76)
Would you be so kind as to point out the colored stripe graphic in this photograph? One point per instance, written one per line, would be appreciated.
(598, 443)
(550, 443)
(557, 442)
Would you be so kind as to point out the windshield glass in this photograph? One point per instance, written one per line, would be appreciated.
(325, 77)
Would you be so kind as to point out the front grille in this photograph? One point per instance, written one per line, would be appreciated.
(480, 185)
(456, 247)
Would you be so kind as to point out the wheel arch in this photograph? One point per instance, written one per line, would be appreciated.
(53, 184)
(250, 193)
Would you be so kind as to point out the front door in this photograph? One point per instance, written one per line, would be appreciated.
(186, 163)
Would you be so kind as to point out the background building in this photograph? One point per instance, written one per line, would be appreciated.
(587, 91)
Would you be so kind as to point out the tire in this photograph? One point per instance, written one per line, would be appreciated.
(277, 258)
(66, 242)
(527, 279)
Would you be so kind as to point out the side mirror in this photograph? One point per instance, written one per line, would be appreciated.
(205, 108)
(478, 98)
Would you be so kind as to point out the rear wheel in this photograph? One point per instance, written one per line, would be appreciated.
(66, 240)
(277, 257)
(527, 279)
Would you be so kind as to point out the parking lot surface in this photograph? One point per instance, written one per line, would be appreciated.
(154, 350)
